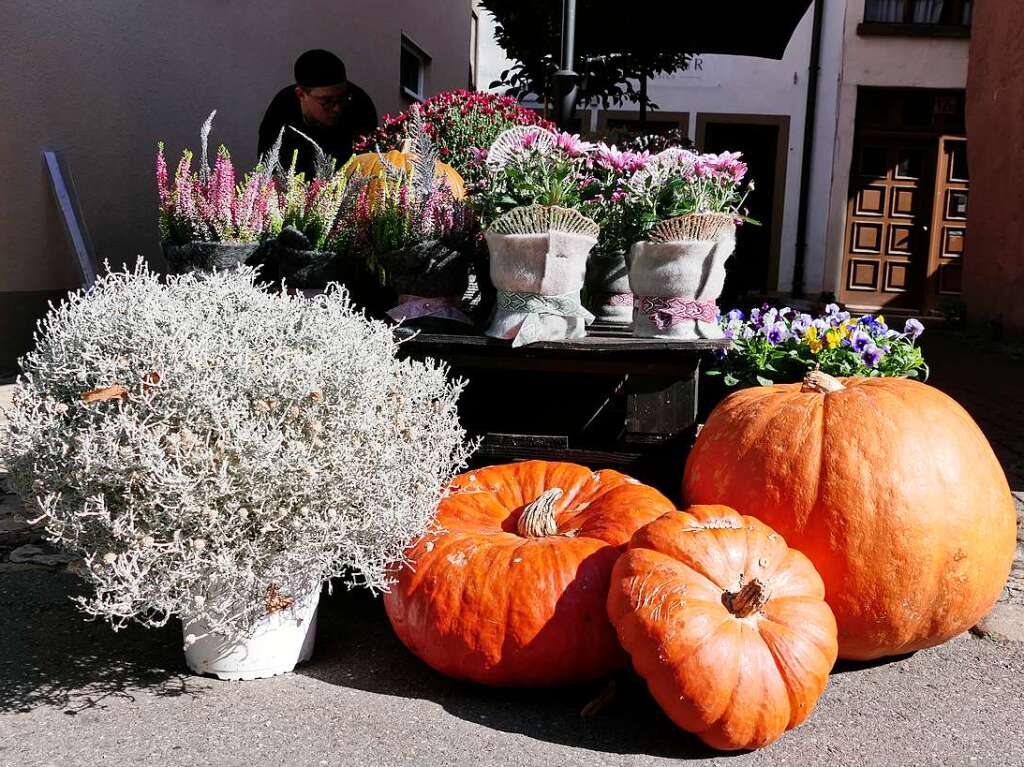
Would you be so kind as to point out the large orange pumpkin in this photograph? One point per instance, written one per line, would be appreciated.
(370, 164)
(511, 590)
(726, 623)
(887, 485)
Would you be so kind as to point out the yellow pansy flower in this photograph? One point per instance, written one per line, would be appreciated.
(834, 337)
(813, 341)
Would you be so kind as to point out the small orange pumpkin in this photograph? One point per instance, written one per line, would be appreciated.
(726, 623)
(370, 164)
(886, 484)
(510, 591)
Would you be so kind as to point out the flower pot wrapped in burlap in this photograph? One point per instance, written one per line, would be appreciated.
(430, 279)
(200, 256)
(608, 293)
(538, 264)
(678, 275)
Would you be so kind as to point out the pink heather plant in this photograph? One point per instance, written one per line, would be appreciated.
(217, 209)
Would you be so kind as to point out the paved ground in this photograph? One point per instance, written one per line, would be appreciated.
(75, 693)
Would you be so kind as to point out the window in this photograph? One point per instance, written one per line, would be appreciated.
(412, 69)
(917, 17)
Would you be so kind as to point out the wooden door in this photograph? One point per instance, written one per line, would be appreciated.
(949, 222)
(888, 216)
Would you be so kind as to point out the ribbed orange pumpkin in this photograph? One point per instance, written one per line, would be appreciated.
(888, 487)
(511, 591)
(369, 164)
(726, 623)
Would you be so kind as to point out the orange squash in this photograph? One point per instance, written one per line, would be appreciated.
(886, 484)
(726, 623)
(510, 590)
(370, 164)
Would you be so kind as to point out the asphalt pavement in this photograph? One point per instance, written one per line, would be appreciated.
(74, 692)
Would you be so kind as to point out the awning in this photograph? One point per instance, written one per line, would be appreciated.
(761, 28)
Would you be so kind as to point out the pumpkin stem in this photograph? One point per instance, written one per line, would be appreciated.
(748, 600)
(822, 383)
(538, 518)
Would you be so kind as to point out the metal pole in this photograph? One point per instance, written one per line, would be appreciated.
(566, 78)
(803, 221)
(568, 34)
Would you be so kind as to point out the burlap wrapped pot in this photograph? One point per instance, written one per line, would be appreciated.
(538, 261)
(678, 275)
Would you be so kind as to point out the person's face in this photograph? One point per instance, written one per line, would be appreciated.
(323, 104)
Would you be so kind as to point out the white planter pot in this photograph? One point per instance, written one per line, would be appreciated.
(676, 285)
(539, 276)
(278, 642)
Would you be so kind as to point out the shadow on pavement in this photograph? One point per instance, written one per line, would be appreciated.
(356, 648)
(51, 656)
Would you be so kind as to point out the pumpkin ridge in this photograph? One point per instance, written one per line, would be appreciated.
(792, 674)
(733, 689)
(679, 661)
(689, 563)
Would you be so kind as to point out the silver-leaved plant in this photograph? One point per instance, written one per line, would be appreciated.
(213, 451)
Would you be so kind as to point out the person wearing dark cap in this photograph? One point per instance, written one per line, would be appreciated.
(324, 106)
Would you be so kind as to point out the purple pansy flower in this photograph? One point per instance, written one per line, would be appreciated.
(777, 333)
(913, 328)
(735, 315)
(860, 340)
(872, 355)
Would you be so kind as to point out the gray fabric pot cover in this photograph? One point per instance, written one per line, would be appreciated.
(608, 291)
(206, 256)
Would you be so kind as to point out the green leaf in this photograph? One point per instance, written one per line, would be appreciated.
(765, 381)
(730, 379)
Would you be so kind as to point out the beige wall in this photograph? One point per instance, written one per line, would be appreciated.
(898, 62)
(103, 81)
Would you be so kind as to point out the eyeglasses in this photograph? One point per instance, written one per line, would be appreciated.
(331, 102)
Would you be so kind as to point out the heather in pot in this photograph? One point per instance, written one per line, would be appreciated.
(207, 219)
(216, 452)
(416, 230)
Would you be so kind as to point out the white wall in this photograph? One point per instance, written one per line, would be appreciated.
(103, 81)
(492, 60)
(907, 62)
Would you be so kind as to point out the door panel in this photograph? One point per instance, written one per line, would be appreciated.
(949, 225)
(888, 214)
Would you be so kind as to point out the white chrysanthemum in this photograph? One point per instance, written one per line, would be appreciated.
(243, 440)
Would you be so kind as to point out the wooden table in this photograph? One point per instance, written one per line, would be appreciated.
(606, 401)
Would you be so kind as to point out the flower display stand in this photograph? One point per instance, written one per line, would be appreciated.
(608, 400)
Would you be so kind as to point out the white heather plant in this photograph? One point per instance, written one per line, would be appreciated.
(239, 447)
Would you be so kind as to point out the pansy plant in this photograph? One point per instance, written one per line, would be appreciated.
(772, 345)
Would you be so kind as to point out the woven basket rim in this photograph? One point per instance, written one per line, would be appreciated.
(591, 227)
